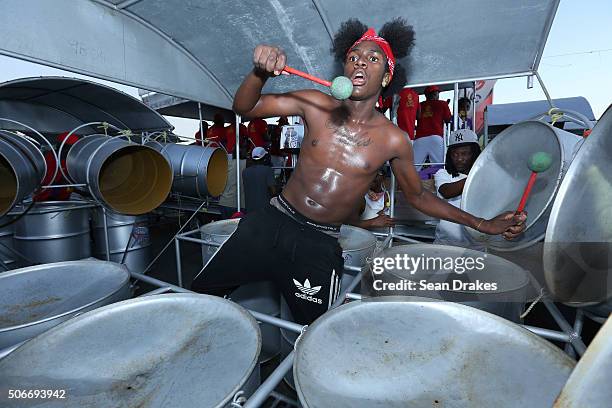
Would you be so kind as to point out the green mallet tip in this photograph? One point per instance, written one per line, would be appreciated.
(341, 88)
(539, 162)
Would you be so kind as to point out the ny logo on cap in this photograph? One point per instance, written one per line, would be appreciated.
(458, 137)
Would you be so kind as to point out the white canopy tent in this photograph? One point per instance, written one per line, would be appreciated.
(200, 50)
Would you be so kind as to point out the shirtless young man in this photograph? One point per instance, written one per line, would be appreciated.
(293, 242)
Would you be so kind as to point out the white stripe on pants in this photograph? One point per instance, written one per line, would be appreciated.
(432, 146)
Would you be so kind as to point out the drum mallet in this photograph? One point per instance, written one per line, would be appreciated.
(341, 87)
(538, 163)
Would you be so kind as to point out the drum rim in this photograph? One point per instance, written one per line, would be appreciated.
(504, 260)
(33, 269)
(414, 300)
(146, 299)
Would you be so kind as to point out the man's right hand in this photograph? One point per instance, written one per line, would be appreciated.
(382, 220)
(269, 60)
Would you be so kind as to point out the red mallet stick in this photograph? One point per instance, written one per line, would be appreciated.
(530, 184)
(307, 76)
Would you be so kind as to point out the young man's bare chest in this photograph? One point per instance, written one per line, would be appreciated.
(356, 148)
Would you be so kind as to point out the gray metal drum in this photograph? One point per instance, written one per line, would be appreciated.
(261, 297)
(501, 174)
(127, 234)
(22, 169)
(7, 257)
(170, 351)
(589, 383)
(198, 171)
(54, 231)
(357, 246)
(506, 300)
(578, 245)
(411, 352)
(127, 178)
(37, 298)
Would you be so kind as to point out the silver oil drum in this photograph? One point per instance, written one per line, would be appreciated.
(7, 257)
(589, 383)
(37, 298)
(170, 351)
(441, 264)
(128, 238)
(125, 177)
(22, 169)
(261, 297)
(357, 246)
(501, 172)
(577, 255)
(198, 171)
(410, 352)
(54, 231)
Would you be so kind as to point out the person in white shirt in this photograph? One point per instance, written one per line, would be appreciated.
(463, 149)
(375, 209)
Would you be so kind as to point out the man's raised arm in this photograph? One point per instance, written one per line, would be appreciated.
(268, 62)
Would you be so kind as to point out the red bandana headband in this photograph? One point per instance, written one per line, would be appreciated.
(371, 35)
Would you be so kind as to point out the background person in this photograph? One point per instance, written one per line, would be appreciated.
(463, 150)
(429, 139)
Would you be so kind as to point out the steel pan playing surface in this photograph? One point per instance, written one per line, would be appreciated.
(410, 352)
(178, 350)
(34, 299)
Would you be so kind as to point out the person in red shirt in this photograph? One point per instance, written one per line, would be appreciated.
(56, 194)
(216, 133)
(258, 129)
(230, 136)
(429, 139)
(407, 111)
(198, 135)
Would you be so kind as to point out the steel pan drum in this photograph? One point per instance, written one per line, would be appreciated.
(357, 245)
(578, 246)
(178, 350)
(127, 178)
(127, 234)
(54, 231)
(410, 352)
(7, 256)
(34, 299)
(498, 178)
(198, 171)
(589, 384)
(22, 169)
(507, 300)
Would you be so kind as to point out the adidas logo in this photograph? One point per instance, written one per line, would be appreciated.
(306, 288)
(307, 291)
